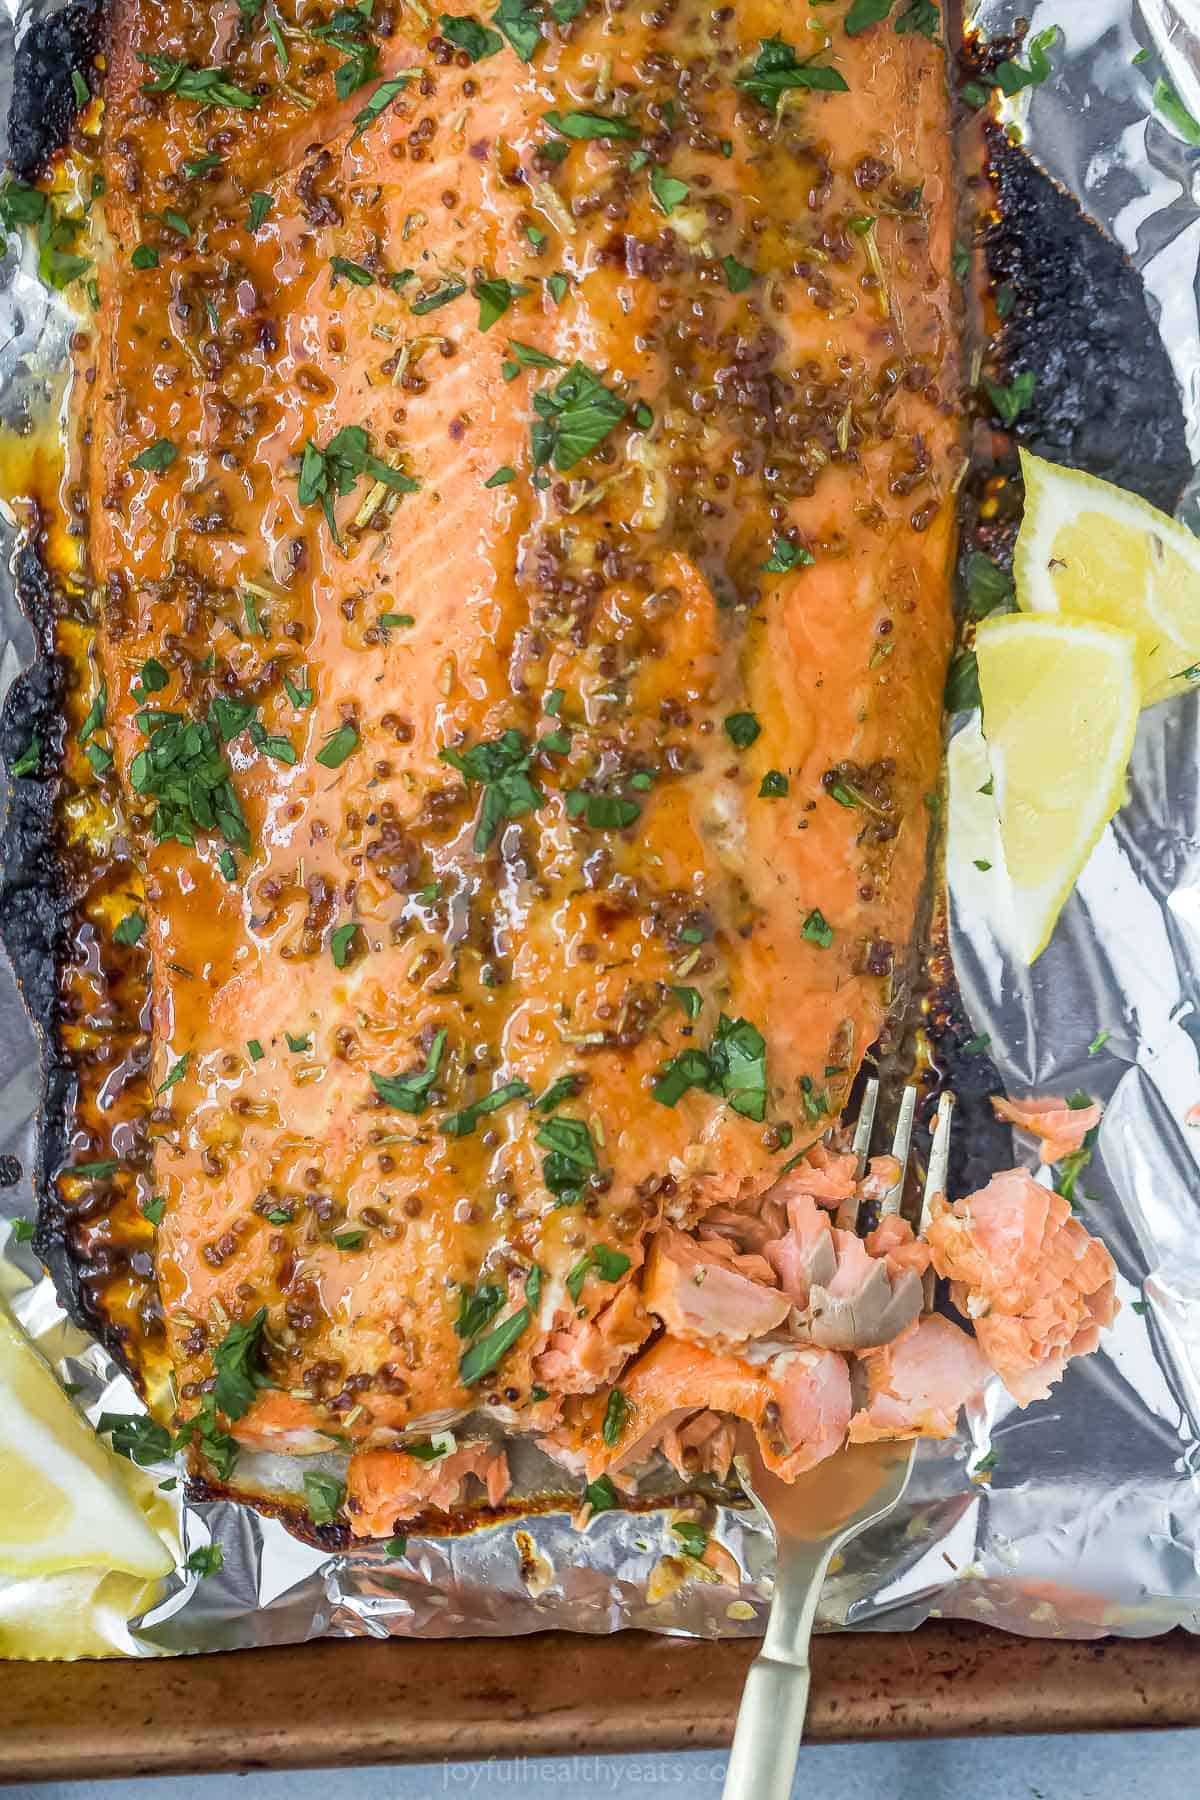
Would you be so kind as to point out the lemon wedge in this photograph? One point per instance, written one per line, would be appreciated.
(1060, 707)
(1092, 550)
(63, 1504)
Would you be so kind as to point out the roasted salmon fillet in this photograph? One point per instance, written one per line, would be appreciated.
(520, 451)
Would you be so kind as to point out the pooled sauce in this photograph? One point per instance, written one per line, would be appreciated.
(520, 474)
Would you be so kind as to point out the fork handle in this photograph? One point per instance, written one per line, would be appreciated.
(770, 1726)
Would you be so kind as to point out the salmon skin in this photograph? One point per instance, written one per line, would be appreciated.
(520, 451)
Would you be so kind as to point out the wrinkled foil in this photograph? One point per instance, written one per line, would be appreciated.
(1089, 1520)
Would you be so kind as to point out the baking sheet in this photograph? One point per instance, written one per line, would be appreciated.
(1089, 1521)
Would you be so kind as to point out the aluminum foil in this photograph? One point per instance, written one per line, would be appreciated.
(1089, 1520)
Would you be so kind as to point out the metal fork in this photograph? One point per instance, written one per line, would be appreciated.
(816, 1516)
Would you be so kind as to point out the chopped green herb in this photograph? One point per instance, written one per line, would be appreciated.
(300, 697)
(95, 1171)
(177, 223)
(734, 1066)
(96, 714)
(340, 943)
(30, 758)
(203, 165)
(976, 1046)
(410, 1093)
(1168, 103)
(324, 1494)
(1012, 77)
(777, 69)
(558, 285)
(144, 257)
(395, 1548)
(1010, 402)
(477, 1309)
(469, 36)
(495, 296)
(337, 747)
(521, 24)
(256, 1050)
(298, 1044)
(921, 16)
(962, 683)
(206, 1559)
(347, 1238)
(1098, 1042)
(260, 206)
(23, 1230)
(379, 102)
(609, 1265)
(616, 1416)
(462, 1124)
(737, 275)
(601, 1495)
(570, 1159)
(157, 458)
(693, 1539)
(960, 261)
(82, 91)
(336, 469)
(668, 192)
(499, 766)
(817, 929)
(603, 812)
(583, 125)
(989, 589)
(137, 1437)
(207, 87)
(690, 999)
(400, 620)
(527, 357)
(129, 930)
(982, 865)
(774, 785)
(177, 1073)
(502, 476)
(487, 1351)
(742, 728)
(350, 271)
(535, 234)
(786, 555)
(438, 296)
(154, 1209)
(565, 1087)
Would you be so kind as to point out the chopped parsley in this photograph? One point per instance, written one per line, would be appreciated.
(1013, 77)
(462, 1124)
(30, 758)
(338, 746)
(616, 1417)
(499, 766)
(341, 942)
(608, 1265)
(236, 1364)
(410, 1093)
(817, 929)
(438, 296)
(520, 22)
(786, 555)
(501, 476)
(668, 192)
(603, 812)
(778, 69)
(989, 588)
(564, 1087)
(300, 1043)
(207, 87)
(260, 206)
(1010, 402)
(256, 1050)
(693, 1539)
(734, 1066)
(129, 931)
(1168, 103)
(690, 999)
(324, 1494)
(585, 125)
(469, 36)
(495, 296)
(962, 683)
(145, 256)
(477, 1309)
(395, 1548)
(137, 1437)
(774, 785)
(487, 1351)
(184, 770)
(379, 102)
(738, 276)
(206, 1559)
(741, 728)
(570, 1158)
(574, 418)
(157, 458)
(918, 15)
(601, 1495)
(1098, 1042)
(349, 271)
(337, 468)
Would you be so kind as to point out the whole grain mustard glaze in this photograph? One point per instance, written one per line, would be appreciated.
(520, 452)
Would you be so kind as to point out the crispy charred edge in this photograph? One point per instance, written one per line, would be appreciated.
(36, 906)
(44, 104)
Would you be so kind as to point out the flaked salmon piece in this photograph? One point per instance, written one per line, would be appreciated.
(703, 1298)
(863, 1305)
(1059, 1127)
(701, 1445)
(1033, 1281)
(584, 1354)
(916, 1386)
(796, 1398)
(826, 1176)
(282, 1423)
(895, 1240)
(386, 1487)
(806, 1253)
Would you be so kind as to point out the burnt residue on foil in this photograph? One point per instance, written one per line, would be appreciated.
(52, 50)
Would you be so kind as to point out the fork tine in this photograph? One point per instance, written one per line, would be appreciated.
(935, 1178)
(901, 1144)
(846, 1217)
